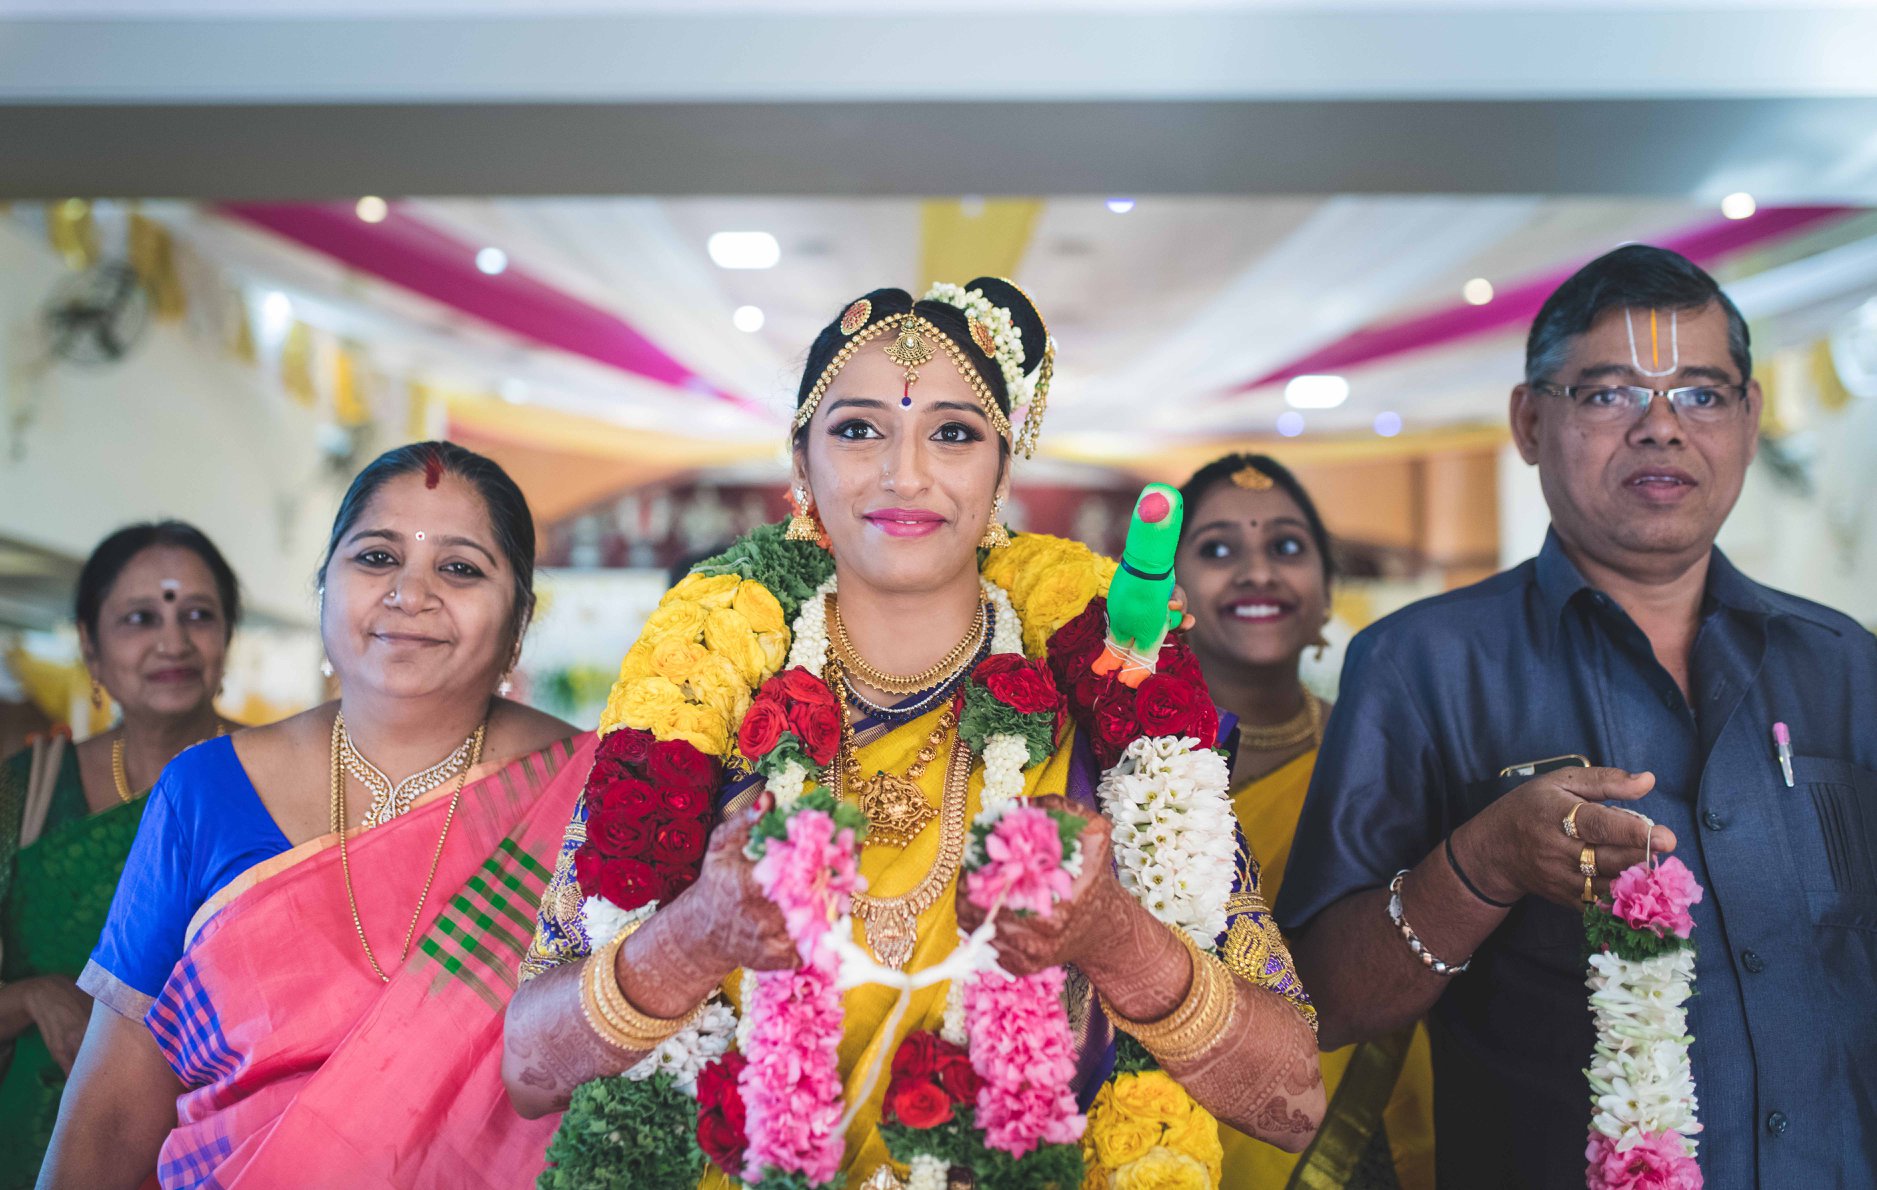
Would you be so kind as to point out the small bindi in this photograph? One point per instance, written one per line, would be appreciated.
(170, 588)
(905, 402)
(420, 535)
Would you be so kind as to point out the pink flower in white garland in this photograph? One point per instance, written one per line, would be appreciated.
(1656, 1161)
(1020, 1043)
(792, 1086)
(1657, 898)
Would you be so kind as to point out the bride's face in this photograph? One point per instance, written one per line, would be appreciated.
(904, 480)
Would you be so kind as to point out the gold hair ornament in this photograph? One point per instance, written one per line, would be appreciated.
(925, 334)
(1252, 479)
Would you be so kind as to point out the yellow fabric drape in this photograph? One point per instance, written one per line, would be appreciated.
(1354, 1077)
(153, 257)
(891, 871)
(73, 232)
(986, 238)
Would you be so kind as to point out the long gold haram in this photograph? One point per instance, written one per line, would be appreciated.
(940, 671)
(339, 739)
(892, 923)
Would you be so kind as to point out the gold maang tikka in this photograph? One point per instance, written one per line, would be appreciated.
(910, 350)
(1252, 479)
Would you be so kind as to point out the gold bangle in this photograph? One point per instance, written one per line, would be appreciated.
(1199, 1021)
(611, 1016)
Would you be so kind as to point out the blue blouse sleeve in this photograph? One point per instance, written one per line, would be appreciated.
(204, 825)
(143, 935)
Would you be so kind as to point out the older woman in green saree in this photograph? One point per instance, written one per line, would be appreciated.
(156, 607)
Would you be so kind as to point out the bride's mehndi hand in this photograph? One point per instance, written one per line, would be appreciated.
(1031, 942)
(737, 924)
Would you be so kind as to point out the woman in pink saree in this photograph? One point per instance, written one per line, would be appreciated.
(304, 971)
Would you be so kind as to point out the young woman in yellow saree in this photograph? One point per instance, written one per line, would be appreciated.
(302, 977)
(1255, 562)
(880, 602)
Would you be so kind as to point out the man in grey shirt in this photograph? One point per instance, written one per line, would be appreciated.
(1632, 643)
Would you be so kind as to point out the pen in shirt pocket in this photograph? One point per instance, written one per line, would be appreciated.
(1782, 744)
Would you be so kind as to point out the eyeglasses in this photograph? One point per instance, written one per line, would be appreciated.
(1706, 404)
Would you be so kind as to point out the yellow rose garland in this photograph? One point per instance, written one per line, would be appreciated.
(1145, 1131)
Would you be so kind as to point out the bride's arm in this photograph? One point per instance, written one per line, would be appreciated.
(1260, 1075)
(665, 969)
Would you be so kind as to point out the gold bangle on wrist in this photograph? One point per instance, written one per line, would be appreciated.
(611, 1016)
(1201, 1019)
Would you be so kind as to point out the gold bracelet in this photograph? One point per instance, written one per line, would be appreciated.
(1199, 1021)
(611, 1016)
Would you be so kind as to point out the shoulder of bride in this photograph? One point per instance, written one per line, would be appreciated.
(1050, 581)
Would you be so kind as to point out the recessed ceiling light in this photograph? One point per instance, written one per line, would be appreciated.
(1120, 206)
(492, 261)
(372, 209)
(1290, 423)
(748, 319)
(1316, 392)
(513, 391)
(1477, 292)
(1387, 424)
(1739, 205)
(276, 315)
(744, 250)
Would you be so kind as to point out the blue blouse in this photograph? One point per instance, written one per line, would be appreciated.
(204, 825)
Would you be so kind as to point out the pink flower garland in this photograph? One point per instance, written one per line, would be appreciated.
(1020, 1043)
(792, 1086)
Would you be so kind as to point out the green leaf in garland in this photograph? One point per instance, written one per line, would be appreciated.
(621, 1133)
(791, 570)
(958, 1143)
(984, 716)
(1603, 930)
(775, 824)
(1130, 1056)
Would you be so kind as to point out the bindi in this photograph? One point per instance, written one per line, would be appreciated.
(170, 588)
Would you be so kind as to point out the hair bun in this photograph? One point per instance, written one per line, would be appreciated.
(1023, 314)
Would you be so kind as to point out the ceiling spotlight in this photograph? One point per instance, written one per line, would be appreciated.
(1387, 424)
(744, 250)
(1477, 292)
(1290, 423)
(276, 315)
(748, 319)
(1739, 205)
(513, 391)
(492, 261)
(1120, 206)
(1315, 392)
(372, 209)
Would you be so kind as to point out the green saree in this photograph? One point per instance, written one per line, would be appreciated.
(54, 895)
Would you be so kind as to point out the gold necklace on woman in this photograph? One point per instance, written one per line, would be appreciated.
(938, 673)
(1303, 727)
(121, 777)
(390, 800)
(895, 806)
(342, 740)
(892, 923)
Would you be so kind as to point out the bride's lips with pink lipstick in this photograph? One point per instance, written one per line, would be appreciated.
(905, 522)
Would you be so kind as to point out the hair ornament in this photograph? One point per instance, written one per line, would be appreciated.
(856, 316)
(1251, 479)
(910, 350)
(1027, 397)
(983, 336)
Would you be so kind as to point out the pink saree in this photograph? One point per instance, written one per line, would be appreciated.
(302, 1068)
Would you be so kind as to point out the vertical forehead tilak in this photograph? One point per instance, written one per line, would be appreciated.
(1654, 366)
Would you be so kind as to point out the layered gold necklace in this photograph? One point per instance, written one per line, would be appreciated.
(120, 776)
(341, 745)
(895, 806)
(937, 674)
(1306, 726)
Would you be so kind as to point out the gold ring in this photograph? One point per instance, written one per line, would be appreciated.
(1587, 862)
(1570, 821)
(1590, 897)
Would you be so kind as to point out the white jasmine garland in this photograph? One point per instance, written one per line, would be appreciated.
(602, 920)
(928, 1173)
(1007, 633)
(809, 646)
(688, 1051)
(1174, 838)
(1641, 1079)
(952, 1028)
(787, 784)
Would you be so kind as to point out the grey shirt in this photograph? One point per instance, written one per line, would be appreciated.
(1535, 663)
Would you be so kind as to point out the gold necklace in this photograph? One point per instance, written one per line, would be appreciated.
(1306, 725)
(895, 806)
(390, 800)
(892, 923)
(339, 739)
(942, 671)
(121, 777)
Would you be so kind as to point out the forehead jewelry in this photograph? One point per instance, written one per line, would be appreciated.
(910, 351)
(856, 316)
(1654, 367)
(1252, 479)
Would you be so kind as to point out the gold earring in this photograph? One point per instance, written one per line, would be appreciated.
(996, 537)
(804, 525)
(97, 695)
(1321, 642)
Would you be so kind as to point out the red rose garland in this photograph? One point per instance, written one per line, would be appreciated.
(648, 815)
(1172, 703)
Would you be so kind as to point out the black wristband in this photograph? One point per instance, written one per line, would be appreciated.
(1454, 863)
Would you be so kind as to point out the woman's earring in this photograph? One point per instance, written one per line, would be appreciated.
(804, 525)
(506, 688)
(995, 536)
(97, 695)
(1320, 642)
(325, 666)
